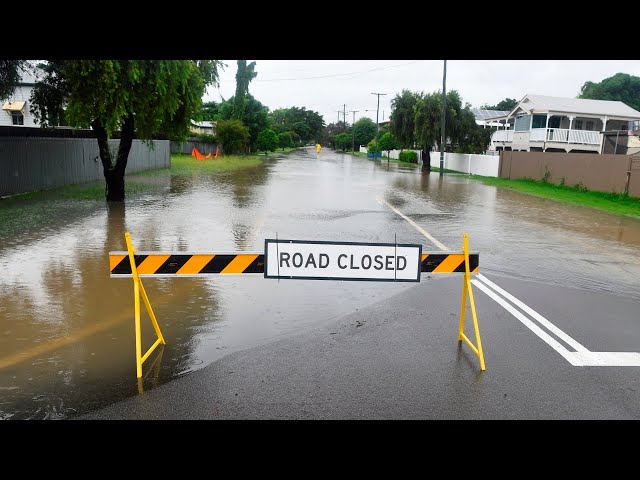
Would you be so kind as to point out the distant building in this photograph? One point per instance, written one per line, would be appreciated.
(485, 118)
(15, 109)
(203, 127)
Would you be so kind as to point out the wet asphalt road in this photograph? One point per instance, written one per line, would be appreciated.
(399, 359)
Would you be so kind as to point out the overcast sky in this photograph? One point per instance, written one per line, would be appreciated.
(325, 85)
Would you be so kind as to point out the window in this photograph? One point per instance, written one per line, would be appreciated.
(589, 125)
(577, 125)
(539, 121)
(17, 118)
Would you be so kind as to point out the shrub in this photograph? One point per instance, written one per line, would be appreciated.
(408, 156)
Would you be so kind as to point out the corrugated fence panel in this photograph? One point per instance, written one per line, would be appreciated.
(29, 164)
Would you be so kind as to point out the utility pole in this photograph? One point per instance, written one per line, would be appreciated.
(442, 124)
(377, 112)
(344, 116)
(353, 132)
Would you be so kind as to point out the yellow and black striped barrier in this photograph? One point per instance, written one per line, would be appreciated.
(197, 264)
(183, 264)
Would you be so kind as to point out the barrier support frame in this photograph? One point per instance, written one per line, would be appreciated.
(138, 290)
(466, 290)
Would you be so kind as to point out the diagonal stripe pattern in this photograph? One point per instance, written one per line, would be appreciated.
(177, 264)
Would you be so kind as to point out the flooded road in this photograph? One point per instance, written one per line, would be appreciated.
(66, 327)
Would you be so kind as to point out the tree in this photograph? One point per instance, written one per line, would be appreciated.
(460, 125)
(285, 140)
(255, 116)
(10, 76)
(621, 87)
(267, 140)
(233, 134)
(244, 75)
(364, 130)
(136, 97)
(387, 142)
(343, 141)
(209, 111)
(507, 104)
(306, 123)
(403, 125)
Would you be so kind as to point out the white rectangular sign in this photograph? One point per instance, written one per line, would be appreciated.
(342, 260)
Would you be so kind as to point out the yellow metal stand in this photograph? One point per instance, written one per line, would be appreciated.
(466, 289)
(138, 289)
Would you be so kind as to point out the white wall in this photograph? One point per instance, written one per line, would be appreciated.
(21, 94)
(486, 165)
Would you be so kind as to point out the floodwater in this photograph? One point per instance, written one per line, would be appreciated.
(66, 327)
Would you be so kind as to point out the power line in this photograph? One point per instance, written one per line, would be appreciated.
(336, 74)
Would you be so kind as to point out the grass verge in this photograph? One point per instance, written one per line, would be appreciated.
(610, 202)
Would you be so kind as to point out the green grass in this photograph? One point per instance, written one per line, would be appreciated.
(610, 202)
(85, 191)
(184, 164)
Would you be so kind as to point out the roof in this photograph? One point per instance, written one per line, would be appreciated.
(13, 106)
(203, 124)
(483, 115)
(579, 106)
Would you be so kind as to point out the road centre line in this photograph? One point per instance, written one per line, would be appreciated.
(441, 246)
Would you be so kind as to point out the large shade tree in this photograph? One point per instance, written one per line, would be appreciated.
(402, 119)
(622, 87)
(138, 98)
(244, 75)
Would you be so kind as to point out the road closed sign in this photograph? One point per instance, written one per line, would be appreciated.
(312, 260)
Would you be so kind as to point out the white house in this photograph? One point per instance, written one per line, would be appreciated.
(15, 109)
(541, 123)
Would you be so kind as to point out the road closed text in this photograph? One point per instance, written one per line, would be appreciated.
(347, 261)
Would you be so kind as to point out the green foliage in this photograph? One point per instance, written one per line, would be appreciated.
(622, 87)
(403, 118)
(233, 134)
(255, 116)
(364, 130)
(209, 111)
(507, 104)
(330, 131)
(285, 140)
(461, 130)
(244, 75)
(387, 142)
(373, 147)
(268, 140)
(10, 76)
(408, 156)
(206, 137)
(342, 141)
(307, 124)
(136, 97)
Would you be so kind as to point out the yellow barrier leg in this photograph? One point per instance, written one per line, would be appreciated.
(466, 289)
(138, 289)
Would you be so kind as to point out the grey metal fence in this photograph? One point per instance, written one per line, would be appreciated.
(28, 164)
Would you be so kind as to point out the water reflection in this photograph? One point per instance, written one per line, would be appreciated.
(66, 328)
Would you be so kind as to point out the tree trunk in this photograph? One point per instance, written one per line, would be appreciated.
(114, 174)
(426, 161)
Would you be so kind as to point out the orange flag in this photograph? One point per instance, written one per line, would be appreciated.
(196, 154)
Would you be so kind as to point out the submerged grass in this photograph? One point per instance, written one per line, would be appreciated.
(620, 204)
(183, 164)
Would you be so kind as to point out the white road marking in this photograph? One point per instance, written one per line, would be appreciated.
(608, 359)
(552, 342)
(581, 357)
(441, 246)
(550, 326)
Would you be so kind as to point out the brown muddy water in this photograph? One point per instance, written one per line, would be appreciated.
(66, 327)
